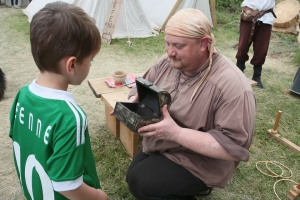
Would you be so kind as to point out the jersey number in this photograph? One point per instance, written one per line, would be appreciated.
(31, 163)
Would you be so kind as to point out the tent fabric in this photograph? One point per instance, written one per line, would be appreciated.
(132, 23)
(157, 11)
(137, 18)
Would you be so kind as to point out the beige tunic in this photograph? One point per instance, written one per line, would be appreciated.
(224, 106)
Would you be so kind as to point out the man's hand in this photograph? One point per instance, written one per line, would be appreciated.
(134, 99)
(197, 141)
(167, 129)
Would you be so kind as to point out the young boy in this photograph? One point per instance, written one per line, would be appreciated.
(51, 142)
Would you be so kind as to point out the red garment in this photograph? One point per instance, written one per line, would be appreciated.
(260, 41)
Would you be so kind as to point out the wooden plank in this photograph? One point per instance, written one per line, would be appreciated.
(127, 137)
(99, 86)
(252, 82)
(110, 100)
(291, 93)
(111, 20)
(111, 121)
(175, 7)
(212, 5)
(112, 97)
(285, 141)
(129, 140)
(290, 31)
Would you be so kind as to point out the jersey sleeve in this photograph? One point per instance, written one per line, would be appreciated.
(12, 115)
(65, 165)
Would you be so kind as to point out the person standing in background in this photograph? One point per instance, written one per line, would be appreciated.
(14, 4)
(260, 38)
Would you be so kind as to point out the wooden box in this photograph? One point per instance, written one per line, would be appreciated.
(147, 111)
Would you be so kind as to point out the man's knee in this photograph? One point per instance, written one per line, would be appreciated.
(137, 185)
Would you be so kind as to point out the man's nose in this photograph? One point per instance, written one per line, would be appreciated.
(171, 51)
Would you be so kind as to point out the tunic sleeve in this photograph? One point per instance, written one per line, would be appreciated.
(234, 122)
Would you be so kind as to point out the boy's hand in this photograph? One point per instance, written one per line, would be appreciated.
(85, 192)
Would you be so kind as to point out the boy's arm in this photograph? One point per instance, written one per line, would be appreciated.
(85, 192)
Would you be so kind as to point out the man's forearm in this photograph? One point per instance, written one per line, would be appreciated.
(202, 143)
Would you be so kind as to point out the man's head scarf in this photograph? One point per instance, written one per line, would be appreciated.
(192, 23)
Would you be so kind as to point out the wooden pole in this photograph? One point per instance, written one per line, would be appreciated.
(171, 14)
(212, 5)
(294, 192)
(111, 20)
(273, 133)
(277, 122)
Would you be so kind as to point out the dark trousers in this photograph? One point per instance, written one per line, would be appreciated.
(12, 2)
(156, 177)
(260, 41)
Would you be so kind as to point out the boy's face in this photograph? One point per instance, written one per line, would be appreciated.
(82, 70)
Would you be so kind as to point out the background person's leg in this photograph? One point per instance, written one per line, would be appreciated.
(18, 4)
(243, 45)
(261, 41)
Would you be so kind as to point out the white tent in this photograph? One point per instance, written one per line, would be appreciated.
(132, 21)
(157, 11)
(137, 18)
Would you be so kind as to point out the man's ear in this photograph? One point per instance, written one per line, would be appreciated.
(204, 43)
(70, 65)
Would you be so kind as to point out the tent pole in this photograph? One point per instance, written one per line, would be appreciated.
(162, 28)
(212, 5)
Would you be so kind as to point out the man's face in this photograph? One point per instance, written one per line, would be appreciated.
(184, 53)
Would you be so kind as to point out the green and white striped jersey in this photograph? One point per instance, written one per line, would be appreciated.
(52, 149)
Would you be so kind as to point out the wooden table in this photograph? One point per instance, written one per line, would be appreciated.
(110, 96)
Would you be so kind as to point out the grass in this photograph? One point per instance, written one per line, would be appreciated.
(247, 182)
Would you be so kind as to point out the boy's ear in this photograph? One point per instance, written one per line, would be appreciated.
(70, 65)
